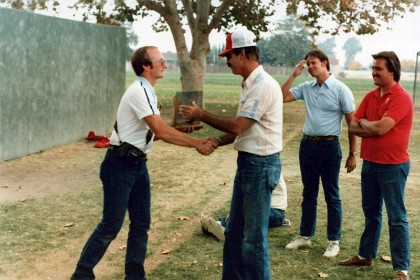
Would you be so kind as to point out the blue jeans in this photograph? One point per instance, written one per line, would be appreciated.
(385, 182)
(125, 186)
(320, 160)
(245, 251)
(275, 219)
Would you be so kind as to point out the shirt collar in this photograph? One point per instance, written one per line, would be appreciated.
(248, 82)
(328, 82)
(394, 90)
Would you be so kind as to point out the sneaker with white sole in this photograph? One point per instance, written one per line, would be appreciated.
(332, 250)
(287, 222)
(209, 225)
(299, 242)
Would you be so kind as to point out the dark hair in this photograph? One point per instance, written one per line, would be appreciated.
(141, 58)
(250, 52)
(319, 54)
(392, 63)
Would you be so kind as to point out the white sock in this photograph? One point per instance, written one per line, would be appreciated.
(403, 271)
(362, 258)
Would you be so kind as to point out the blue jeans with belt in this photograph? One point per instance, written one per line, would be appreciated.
(385, 182)
(320, 159)
(245, 252)
(125, 186)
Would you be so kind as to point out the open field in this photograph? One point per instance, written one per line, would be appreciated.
(51, 201)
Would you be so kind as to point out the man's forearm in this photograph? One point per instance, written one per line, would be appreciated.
(359, 129)
(227, 125)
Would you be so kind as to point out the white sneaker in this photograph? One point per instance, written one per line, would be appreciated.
(287, 222)
(209, 225)
(298, 242)
(332, 250)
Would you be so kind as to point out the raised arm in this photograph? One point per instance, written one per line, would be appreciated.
(285, 87)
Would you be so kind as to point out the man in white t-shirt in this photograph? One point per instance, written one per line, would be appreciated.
(124, 173)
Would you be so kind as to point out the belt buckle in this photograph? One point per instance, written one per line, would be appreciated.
(313, 139)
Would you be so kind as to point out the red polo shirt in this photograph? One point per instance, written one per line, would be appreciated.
(392, 147)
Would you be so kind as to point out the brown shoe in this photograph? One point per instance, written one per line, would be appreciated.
(399, 275)
(356, 262)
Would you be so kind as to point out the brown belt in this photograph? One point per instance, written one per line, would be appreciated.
(315, 139)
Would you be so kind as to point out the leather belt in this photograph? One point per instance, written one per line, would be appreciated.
(315, 139)
(114, 147)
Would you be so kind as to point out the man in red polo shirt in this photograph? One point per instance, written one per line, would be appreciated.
(383, 120)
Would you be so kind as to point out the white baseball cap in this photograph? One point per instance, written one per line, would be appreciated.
(239, 39)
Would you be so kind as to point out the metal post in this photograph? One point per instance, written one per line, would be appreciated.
(415, 79)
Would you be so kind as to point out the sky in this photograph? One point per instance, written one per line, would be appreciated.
(403, 38)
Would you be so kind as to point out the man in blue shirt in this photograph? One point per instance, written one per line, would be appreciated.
(327, 101)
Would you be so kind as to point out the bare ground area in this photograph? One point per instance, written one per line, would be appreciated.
(181, 178)
(76, 166)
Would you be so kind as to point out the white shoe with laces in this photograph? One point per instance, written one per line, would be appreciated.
(332, 250)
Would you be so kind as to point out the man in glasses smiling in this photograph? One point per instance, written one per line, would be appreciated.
(124, 174)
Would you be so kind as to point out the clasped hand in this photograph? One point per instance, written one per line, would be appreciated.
(191, 113)
(207, 146)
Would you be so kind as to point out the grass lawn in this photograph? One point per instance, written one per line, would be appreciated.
(31, 233)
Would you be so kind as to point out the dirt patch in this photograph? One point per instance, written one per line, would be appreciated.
(76, 166)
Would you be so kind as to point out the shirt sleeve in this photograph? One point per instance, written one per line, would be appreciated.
(399, 108)
(142, 105)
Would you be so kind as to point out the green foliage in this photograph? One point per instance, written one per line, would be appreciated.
(328, 46)
(351, 47)
(288, 46)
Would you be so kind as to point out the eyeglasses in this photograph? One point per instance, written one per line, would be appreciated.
(229, 55)
(161, 61)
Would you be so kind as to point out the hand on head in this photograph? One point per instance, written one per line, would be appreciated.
(299, 68)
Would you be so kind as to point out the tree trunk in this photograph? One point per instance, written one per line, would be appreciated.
(192, 63)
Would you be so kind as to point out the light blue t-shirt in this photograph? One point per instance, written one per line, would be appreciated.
(325, 105)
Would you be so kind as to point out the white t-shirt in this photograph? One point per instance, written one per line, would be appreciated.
(138, 101)
(261, 100)
(279, 195)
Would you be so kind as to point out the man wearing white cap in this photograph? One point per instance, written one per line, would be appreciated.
(256, 132)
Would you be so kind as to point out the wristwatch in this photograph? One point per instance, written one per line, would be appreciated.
(353, 154)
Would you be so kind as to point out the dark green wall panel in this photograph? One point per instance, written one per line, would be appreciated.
(59, 79)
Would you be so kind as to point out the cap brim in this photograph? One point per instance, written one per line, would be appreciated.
(225, 52)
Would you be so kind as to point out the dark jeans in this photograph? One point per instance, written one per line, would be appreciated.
(385, 182)
(125, 186)
(317, 160)
(275, 219)
(245, 251)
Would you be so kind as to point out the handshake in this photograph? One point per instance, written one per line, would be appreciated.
(207, 145)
